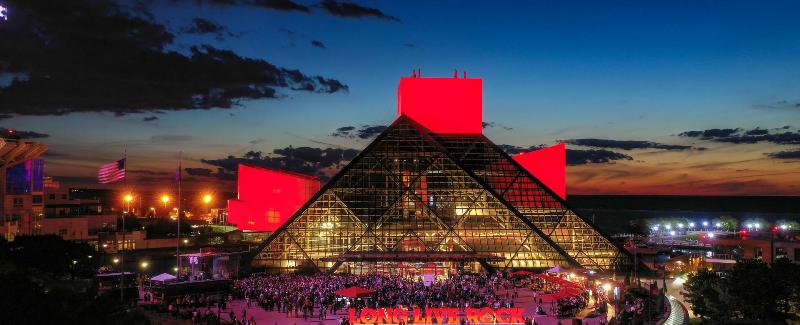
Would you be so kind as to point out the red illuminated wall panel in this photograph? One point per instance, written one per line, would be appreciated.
(443, 105)
(267, 198)
(549, 165)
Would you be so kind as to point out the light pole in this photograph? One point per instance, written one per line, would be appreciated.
(165, 200)
(207, 198)
(128, 199)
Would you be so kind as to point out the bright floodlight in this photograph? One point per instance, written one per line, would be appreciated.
(3, 13)
(758, 225)
(144, 264)
(128, 198)
(719, 224)
(784, 227)
(711, 235)
(691, 225)
(680, 225)
(669, 226)
(655, 228)
(207, 198)
(165, 199)
(705, 223)
(672, 232)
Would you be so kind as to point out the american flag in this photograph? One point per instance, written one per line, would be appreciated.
(111, 172)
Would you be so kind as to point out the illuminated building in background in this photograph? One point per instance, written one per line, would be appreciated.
(268, 197)
(21, 185)
(432, 192)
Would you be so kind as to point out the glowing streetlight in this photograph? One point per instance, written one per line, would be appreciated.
(711, 235)
(680, 225)
(115, 260)
(758, 225)
(207, 198)
(672, 232)
(185, 241)
(691, 225)
(705, 223)
(144, 264)
(668, 226)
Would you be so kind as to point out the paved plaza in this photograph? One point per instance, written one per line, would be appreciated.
(263, 317)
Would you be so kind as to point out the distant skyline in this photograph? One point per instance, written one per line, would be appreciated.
(676, 98)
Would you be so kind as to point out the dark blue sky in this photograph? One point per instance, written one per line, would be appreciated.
(554, 70)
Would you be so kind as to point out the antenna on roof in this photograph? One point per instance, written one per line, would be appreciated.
(455, 73)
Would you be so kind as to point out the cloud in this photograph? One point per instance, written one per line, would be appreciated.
(786, 154)
(364, 132)
(495, 124)
(171, 138)
(574, 156)
(318, 44)
(624, 144)
(98, 56)
(710, 133)
(150, 118)
(202, 26)
(594, 156)
(353, 10)
(739, 136)
(282, 5)
(199, 171)
(20, 134)
(780, 105)
(279, 5)
(312, 161)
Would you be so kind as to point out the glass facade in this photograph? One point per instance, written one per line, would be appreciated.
(413, 200)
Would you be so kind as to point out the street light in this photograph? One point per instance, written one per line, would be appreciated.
(207, 198)
(144, 264)
(115, 260)
(705, 223)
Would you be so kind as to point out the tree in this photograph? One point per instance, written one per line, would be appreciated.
(52, 254)
(751, 290)
(786, 285)
(726, 222)
(703, 292)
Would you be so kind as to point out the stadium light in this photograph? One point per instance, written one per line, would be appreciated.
(705, 223)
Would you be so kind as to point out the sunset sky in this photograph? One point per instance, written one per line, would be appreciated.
(655, 97)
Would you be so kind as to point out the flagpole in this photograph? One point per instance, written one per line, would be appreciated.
(178, 236)
(122, 260)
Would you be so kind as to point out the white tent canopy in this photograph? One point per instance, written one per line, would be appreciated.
(557, 269)
(163, 277)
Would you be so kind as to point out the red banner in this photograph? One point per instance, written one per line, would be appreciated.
(437, 316)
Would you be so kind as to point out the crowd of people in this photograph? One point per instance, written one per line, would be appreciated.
(315, 296)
